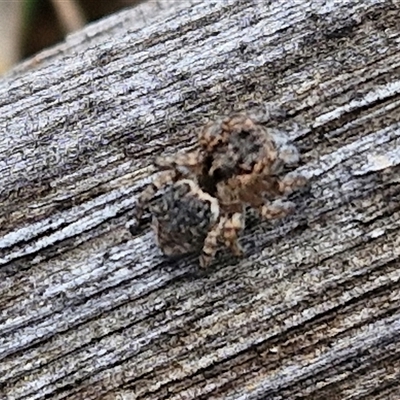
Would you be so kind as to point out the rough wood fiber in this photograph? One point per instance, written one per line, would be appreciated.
(312, 311)
(120, 23)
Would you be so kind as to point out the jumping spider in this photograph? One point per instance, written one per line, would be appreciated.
(237, 164)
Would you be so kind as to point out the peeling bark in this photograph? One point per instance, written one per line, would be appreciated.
(87, 311)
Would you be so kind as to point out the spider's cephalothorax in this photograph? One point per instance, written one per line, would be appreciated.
(237, 145)
(238, 163)
(245, 162)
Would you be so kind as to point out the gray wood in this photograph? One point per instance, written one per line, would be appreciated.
(87, 311)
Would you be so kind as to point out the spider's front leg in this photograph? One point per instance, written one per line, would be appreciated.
(211, 243)
(192, 161)
(281, 187)
(226, 230)
(164, 178)
(292, 182)
(232, 227)
(277, 209)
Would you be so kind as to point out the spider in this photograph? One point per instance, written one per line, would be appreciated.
(237, 163)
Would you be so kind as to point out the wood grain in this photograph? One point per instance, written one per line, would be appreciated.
(312, 312)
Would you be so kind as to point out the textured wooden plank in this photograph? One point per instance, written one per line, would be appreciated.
(145, 13)
(312, 311)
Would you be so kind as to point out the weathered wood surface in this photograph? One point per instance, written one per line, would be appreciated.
(312, 311)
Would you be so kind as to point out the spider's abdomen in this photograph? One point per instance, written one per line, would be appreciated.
(182, 217)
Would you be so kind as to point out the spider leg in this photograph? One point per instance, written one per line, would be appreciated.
(282, 187)
(231, 230)
(211, 243)
(226, 231)
(148, 193)
(192, 161)
(291, 182)
(277, 209)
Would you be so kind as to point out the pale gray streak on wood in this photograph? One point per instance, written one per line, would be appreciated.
(312, 311)
(143, 14)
